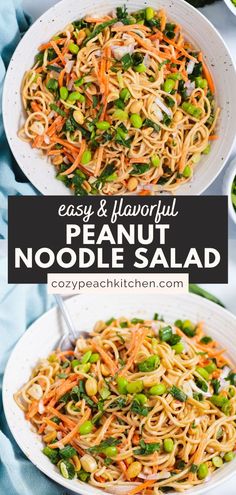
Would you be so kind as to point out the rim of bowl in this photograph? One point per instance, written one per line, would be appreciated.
(230, 174)
(230, 6)
(40, 19)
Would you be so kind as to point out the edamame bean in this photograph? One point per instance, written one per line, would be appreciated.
(111, 451)
(140, 68)
(155, 160)
(86, 157)
(168, 445)
(64, 93)
(149, 13)
(86, 428)
(103, 125)
(229, 456)
(202, 471)
(122, 385)
(135, 387)
(217, 461)
(169, 85)
(136, 120)
(159, 389)
(73, 48)
(125, 94)
(178, 348)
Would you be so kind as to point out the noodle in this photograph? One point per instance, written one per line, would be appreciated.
(134, 91)
(136, 407)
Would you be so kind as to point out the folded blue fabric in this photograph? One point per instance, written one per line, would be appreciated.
(20, 306)
(13, 24)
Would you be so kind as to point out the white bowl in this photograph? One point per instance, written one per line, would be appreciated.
(42, 337)
(229, 176)
(198, 30)
(231, 6)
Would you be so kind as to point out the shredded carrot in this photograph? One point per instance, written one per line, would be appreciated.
(61, 77)
(139, 160)
(35, 107)
(38, 141)
(181, 49)
(130, 27)
(111, 365)
(97, 20)
(77, 160)
(144, 192)
(62, 417)
(58, 51)
(147, 45)
(72, 433)
(142, 486)
(71, 147)
(207, 73)
(157, 36)
(213, 137)
(32, 410)
(140, 336)
(98, 161)
(45, 46)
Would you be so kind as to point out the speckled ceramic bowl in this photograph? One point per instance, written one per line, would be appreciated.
(39, 342)
(231, 6)
(197, 29)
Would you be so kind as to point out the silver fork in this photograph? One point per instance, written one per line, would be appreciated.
(68, 340)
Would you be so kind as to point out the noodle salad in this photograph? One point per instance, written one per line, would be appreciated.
(120, 104)
(137, 407)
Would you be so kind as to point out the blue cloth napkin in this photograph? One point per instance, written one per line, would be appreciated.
(20, 306)
(13, 24)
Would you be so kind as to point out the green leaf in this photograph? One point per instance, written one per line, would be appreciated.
(231, 378)
(67, 452)
(120, 402)
(147, 448)
(97, 30)
(126, 61)
(140, 168)
(138, 408)
(178, 394)
(150, 123)
(149, 364)
(109, 442)
(52, 454)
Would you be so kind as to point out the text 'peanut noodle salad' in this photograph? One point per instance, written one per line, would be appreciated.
(120, 104)
(137, 407)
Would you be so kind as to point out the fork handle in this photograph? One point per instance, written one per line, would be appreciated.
(66, 315)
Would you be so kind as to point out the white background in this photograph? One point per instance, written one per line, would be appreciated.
(225, 22)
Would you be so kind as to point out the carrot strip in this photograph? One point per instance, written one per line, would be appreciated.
(111, 365)
(58, 52)
(142, 486)
(38, 141)
(61, 416)
(35, 107)
(180, 48)
(72, 433)
(45, 46)
(76, 163)
(144, 192)
(145, 44)
(140, 27)
(213, 137)
(71, 147)
(139, 160)
(33, 409)
(209, 78)
(61, 77)
(97, 20)
(140, 336)
(99, 161)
